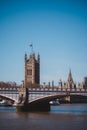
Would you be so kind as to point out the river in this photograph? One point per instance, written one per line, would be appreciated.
(61, 117)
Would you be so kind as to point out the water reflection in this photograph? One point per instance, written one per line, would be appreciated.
(62, 117)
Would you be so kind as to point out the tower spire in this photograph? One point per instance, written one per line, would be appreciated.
(70, 79)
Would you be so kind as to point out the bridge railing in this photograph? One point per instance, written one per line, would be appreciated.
(58, 89)
(4, 90)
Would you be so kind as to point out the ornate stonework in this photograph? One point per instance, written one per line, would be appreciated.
(31, 70)
(70, 84)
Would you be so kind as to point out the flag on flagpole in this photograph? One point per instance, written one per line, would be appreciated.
(30, 45)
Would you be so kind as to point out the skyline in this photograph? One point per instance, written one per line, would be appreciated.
(58, 31)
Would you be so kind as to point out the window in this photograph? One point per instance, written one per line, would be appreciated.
(29, 72)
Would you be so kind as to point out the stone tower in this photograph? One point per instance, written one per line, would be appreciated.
(31, 70)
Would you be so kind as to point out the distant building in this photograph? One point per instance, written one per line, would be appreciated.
(80, 85)
(31, 70)
(52, 83)
(60, 83)
(85, 83)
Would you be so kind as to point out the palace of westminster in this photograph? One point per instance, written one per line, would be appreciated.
(32, 75)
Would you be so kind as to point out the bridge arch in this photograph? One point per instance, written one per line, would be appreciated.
(8, 98)
(48, 98)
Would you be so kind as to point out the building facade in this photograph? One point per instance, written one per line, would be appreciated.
(31, 70)
(85, 83)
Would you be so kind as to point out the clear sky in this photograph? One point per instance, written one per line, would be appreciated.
(58, 31)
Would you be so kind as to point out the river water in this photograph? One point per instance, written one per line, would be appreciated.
(61, 117)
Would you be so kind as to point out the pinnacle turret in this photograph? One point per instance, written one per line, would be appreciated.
(70, 79)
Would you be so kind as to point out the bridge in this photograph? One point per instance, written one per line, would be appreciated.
(38, 98)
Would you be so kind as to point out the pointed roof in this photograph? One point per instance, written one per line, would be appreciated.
(70, 79)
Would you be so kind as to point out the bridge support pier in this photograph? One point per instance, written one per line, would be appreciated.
(36, 106)
(23, 105)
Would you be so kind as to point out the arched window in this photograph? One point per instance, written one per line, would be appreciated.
(29, 72)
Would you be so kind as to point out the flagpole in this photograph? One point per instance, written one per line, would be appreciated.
(31, 45)
(32, 48)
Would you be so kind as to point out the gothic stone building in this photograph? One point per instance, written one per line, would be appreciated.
(31, 70)
(70, 83)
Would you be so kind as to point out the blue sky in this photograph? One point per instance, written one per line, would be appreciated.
(58, 31)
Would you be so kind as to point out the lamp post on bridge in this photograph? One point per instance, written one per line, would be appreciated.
(44, 83)
(53, 83)
(22, 83)
(60, 84)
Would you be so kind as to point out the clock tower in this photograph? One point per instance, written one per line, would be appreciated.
(31, 70)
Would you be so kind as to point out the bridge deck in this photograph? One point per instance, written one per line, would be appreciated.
(37, 93)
